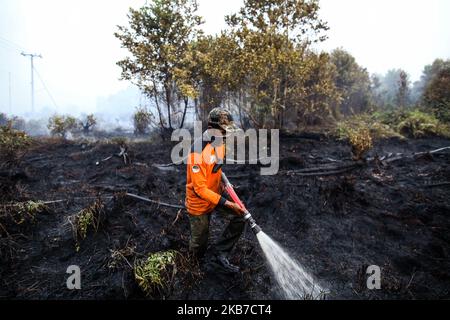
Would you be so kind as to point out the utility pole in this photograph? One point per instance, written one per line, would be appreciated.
(32, 56)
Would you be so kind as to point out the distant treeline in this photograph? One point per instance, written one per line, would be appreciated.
(262, 67)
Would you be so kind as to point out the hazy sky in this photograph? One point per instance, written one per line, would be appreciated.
(79, 50)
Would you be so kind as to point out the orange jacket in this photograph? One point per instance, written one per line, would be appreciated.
(203, 180)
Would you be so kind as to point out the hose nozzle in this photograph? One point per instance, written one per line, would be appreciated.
(253, 225)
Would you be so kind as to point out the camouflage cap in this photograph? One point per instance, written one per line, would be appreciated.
(221, 118)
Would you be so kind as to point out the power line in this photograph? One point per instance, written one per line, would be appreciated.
(12, 44)
(8, 47)
(45, 87)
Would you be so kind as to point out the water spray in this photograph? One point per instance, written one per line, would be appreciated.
(247, 216)
(293, 280)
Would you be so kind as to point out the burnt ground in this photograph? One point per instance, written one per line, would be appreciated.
(396, 216)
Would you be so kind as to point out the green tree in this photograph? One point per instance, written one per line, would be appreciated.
(353, 83)
(218, 71)
(273, 36)
(297, 20)
(437, 94)
(403, 90)
(316, 96)
(375, 88)
(158, 39)
(428, 73)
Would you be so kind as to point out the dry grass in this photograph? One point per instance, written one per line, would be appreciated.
(19, 213)
(85, 220)
(120, 257)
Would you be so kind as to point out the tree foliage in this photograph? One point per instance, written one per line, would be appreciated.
(262, 67)
(428, 74)
(255, 66)
(141, 120)
(352, 82)
(158, 38)
(316, 97)
(418, 124)
(88, 123)
(61, 125)
(436, 96)
(217, 70)
(403, 90)
(273, 36)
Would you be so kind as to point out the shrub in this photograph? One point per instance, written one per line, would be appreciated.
(16, 215)
(12, 144)
(141, 120)
(418, 124)
(61, 125)
(30, 209)
(153, 273)
(376, 123)
(86, 219)
(357, 131)
(360, 140)
(379, 130)
(88, 123)
(390, 118)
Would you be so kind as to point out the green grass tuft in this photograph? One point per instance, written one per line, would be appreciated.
(153, 273)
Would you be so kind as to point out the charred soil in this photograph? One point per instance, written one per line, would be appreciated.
(392, 214)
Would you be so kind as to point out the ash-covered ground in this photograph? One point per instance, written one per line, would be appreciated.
(392, 214)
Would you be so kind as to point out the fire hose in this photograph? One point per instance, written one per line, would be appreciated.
(229, 189)
(247, 216)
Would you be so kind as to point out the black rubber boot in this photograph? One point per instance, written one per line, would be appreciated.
(222, 261)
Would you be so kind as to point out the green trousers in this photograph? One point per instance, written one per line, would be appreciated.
(200, 232)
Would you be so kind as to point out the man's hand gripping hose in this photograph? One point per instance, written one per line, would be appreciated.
(247, 216)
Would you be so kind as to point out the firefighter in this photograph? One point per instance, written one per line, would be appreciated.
(204, 191)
